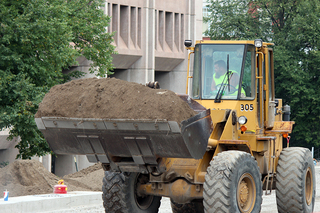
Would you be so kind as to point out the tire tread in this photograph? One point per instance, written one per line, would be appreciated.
(113, 196)
(289, 179)
(218, 180)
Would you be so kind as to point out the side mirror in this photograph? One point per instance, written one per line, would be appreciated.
(187, 43)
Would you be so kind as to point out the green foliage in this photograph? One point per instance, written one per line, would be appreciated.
(38, 40)
(295, 29)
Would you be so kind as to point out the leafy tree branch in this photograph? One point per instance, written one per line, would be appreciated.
(39, 41)
(294, 27)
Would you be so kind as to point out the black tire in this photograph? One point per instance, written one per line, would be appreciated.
(232, 184)
(295, 181)
(193, 207)
(119, 194)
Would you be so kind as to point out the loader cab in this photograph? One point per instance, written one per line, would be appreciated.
(211, 80)
(235, 75)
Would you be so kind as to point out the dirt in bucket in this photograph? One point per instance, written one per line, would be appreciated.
(112, 98)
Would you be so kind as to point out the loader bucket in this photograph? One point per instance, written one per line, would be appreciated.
(127, 145)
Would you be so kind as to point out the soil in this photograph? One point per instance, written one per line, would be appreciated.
(89, 178)
(29, 177)
(108, 98)
(111, 98)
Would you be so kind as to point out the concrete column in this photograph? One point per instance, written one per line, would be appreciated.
(199, 19)
(8, 155)
(8, 152)
(83, 162)
(142, 71)
(46, 162)
(150, 33)
(64, 165)
(107, 11)
(176, 79)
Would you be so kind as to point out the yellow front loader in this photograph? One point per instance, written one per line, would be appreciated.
(221, 160)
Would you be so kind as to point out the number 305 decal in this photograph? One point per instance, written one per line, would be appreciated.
(246, 107)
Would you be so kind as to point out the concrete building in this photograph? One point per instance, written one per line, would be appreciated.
(149, 38)
(7, 151)
(150, 35)
(205, 13)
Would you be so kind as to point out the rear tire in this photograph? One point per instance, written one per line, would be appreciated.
(119, 194)
(193, 207)
(296, 184)
(232, 184)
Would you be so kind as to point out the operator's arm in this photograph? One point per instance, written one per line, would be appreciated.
(234, 81)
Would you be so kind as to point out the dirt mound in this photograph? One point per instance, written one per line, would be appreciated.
(112, 98)
(90, 178)
(85, 171)
(29, 177)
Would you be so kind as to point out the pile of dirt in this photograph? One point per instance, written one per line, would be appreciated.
(112, 98)
(29, 177)
(90, 178)
(85, 172)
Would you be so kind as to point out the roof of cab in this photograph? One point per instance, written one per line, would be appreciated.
(230, 42)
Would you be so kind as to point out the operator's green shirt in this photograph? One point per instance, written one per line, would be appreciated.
(219, 82)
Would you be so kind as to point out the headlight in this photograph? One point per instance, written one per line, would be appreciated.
(188, 43)
(258, 43)
(242, 120)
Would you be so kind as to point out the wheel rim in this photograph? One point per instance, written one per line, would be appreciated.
(142, 201)
(246, 193)
(308, 186)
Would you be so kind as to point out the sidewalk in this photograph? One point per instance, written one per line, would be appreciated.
(50, 202)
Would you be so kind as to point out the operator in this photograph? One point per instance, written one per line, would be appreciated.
(219, 75)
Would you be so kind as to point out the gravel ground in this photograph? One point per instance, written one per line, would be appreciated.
(268, 205)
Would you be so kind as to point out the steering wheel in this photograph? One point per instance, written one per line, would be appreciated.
(232, 89)
(226, 90)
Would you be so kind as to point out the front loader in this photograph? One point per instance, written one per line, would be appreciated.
(220, 160)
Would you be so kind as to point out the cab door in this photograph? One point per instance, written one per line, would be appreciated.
(269, 92)
(260, 73)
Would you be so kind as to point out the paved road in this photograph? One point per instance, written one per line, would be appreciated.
(268, 204)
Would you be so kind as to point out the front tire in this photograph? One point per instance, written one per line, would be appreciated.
(119, 194)
(296, 183)
(232, 184)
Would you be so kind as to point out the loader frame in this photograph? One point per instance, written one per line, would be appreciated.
(184, 178)
(226, 155)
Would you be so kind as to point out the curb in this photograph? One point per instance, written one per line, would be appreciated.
(50, 202)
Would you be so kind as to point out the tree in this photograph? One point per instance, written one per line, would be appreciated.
(294, 27)
(38, 40)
